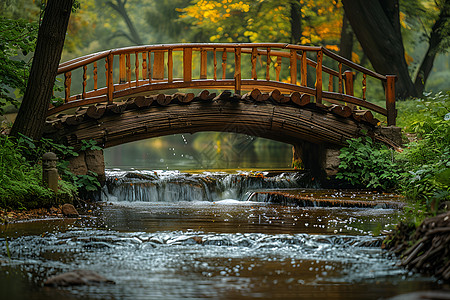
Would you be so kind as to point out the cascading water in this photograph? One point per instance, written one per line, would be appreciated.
(174, 186)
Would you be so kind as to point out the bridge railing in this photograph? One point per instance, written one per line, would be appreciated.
(115, 74)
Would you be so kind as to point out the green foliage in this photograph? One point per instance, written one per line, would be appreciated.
(427, 159)
(21, 173)
(20, 181)
(18, 39)
(365, 164)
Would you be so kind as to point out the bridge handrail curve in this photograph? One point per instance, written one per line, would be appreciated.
(296, 54)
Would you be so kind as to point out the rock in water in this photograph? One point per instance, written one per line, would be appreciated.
(77, 277)
(68, 210)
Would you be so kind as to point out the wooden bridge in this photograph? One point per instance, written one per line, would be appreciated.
(277, 91)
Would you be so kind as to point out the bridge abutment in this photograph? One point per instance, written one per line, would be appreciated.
(321, 159)
(89, 161)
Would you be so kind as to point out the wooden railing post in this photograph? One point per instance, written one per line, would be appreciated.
(187, 64)
(390, 100)
(109, 78)
(237, 70)
(319, 77)
(158, 65)
(348, 82)
(67, 84)
(169, 66)
(293, 66)
(203, 64)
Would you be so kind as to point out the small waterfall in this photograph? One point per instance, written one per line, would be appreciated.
(173, 186)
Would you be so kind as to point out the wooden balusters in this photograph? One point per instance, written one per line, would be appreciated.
(203, 64)
(224, 63)
(128, 68)
(187, 64)
(304, 70)
(390, 100)
(149, 67)
(319, 77)
(67, 83)
(278, 68)
(340, 79)
(122, 68)
(158, 65)
(83, 94)
(364, 87)
(215, 63)
(293, 66)
(253, 61)
(237, 70)
(268, 65)
(330, 83)
(348, 82)
(144, 66)
(169, 66)
(136, 67)
(109, 78)
(95, 76)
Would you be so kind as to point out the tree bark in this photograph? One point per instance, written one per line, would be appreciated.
(436, 37)
(346, 43)
(32, 113)
(376, 24)
(296, 22)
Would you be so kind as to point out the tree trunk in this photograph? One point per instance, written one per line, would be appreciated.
(120, 8)
(346, 44)
(296, 22)
(376, 24)
(436, 37)
(32, 113)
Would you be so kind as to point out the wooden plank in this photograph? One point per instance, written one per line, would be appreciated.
(319, 77)
(169, 66)
(268, 64)
(340, 79)
(67, 84)
(237, 70)
(136, 67)
(224, 63)
(95, 76)
(293, 66)
(144, 66)
(187, 64)
(278, 68)
(122, 68)
(348, 82)
(203, 64)
(253, 60)
(109, 78)
(83, 94)
(128, 68)
(158, 65)
(215, 63)
(149, 67)
(304, 70)
(390, 100)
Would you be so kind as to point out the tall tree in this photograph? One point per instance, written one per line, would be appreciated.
(32, 113)
(376, 24)
(438, 40)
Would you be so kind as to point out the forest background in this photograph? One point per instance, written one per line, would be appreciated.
(98, 25)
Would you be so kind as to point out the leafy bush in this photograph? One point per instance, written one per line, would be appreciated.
(427, 159)
(21, 173)
(365, 164)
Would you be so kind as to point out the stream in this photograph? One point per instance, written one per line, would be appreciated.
(173, 235)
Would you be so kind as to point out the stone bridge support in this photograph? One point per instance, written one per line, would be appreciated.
(89, 161)
(321, 159)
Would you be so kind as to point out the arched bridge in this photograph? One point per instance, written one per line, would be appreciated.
(284, 92)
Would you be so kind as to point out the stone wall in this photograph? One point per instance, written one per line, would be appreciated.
(89, 160)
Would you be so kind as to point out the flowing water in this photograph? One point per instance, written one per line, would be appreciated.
(172, 235)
